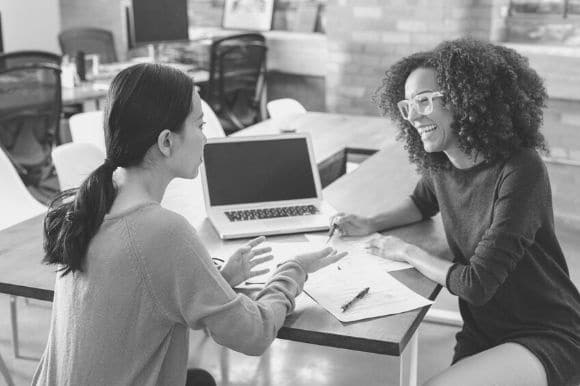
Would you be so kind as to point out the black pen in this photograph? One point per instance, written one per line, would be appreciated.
(332, 230)
(358, 296)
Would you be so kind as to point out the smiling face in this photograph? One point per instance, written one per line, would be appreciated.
(434, 128)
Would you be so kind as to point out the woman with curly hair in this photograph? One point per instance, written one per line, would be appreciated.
(469, 113)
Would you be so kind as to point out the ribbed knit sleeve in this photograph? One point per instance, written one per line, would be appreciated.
(518, 207)
(187, 288)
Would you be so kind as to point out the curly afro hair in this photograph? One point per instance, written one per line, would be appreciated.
(496, 100)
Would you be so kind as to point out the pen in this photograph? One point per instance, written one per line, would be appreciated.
(332, 230)
(360, 295)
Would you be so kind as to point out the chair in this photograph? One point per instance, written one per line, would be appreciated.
(284, 107)
(16, 205)
(90, 41)
(4, 371)
(74, 162)
(30, 108)
(23, 58)
(237, 80)
(88, 128)
(213, 127)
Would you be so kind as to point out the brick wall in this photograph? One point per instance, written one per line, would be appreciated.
(367, 36)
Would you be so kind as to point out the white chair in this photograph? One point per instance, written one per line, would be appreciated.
(88, 128)
(16, 202)
(213, 127)
(74, 162)
(284, 107)
(4, 371)
(16, 205)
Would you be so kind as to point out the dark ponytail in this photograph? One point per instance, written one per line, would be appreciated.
(143, 100)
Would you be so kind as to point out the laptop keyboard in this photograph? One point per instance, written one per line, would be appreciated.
(285, 211)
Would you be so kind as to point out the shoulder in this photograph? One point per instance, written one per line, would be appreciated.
(525, 162)
(154, 228)
(154, 219)
(164, 240)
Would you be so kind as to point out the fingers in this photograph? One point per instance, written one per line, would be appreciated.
(258, 272)
(261, 251)
(261, 260)
(322, 253)
(333, 258)
(254, 242)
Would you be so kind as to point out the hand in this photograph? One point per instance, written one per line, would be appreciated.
(312, 262)
(239, 267)
(352, 225)
(389, 247)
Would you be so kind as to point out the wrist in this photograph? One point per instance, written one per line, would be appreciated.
(225, 274)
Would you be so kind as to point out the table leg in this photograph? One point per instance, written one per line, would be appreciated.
(408, 364)
(14, 323)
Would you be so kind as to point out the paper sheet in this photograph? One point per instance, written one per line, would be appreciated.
(333, 287)
(357, 253)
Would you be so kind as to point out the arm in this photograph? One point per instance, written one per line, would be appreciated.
(420, 205)
(353, 225)
(523, 200)
(435, 268)
(403, 214)
(186, 288)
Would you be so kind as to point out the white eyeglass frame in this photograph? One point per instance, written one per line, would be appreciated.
(413, 103)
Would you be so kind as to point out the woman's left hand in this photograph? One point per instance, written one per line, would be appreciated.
(389, 247)
(239, 267)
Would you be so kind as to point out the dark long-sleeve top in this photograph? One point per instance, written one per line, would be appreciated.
(509, 271)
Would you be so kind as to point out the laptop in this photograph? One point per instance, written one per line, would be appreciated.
(263, 185)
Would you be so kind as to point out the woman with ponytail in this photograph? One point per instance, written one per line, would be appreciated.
(134, 277)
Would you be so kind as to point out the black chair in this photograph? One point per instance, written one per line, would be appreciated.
(30, 109)
(90, 41)
(237, 80)
(23, 58)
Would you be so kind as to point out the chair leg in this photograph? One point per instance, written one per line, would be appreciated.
(14, 322)
(4, 371)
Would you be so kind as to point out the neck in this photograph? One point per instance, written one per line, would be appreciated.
(462, 160)
(139, 184)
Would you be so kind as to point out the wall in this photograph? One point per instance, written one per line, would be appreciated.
(367, 36)
(30, 24)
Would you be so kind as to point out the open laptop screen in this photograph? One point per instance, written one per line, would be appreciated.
(258, 171)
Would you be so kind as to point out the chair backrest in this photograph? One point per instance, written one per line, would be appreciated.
(16, 203)
(90, 41)
(30, 108)
(213, 127)
(23, 58)
(88, 128)
(284, 107)
(74, 162)
(237, 79)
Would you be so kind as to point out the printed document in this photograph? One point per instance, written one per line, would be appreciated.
(336, 285)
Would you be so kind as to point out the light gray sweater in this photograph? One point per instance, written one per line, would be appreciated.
(148, 278)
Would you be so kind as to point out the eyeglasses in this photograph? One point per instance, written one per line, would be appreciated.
(422, 103)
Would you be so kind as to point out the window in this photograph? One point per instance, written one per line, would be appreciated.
(554, 22)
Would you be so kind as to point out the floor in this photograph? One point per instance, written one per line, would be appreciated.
(285, 363)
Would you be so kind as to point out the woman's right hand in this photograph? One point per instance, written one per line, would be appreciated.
(312, 262)
(352, 225)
